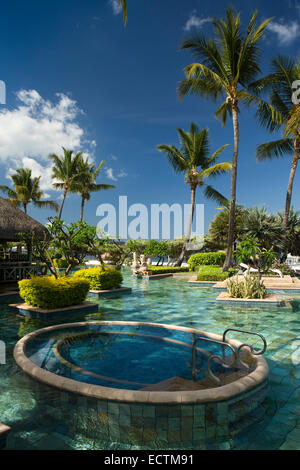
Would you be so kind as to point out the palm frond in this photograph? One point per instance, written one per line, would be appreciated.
(216, 170)
(275, 149)
(213, 194)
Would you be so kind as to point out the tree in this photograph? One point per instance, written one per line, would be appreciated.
(84, 181)
(262, 226)
(218, 230)
(281, 113)
(64, 170)
(123, 3)
(193, 159)
(227, 66)
(26, 190)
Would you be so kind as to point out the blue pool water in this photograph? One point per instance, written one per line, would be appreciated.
(167, 301)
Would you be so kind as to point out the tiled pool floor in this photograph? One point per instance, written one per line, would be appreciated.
(167, 301)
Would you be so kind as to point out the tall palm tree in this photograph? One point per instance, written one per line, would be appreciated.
(26, 190)
(281, 112)
(64, 170)
(124, 7)
(227, 66)
(84, 182)
(193, 159)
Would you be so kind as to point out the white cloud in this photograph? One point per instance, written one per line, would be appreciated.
(111, 174)
(195, 21)
(286, 32)
(38, 127)
(116, 6)
(122, 174)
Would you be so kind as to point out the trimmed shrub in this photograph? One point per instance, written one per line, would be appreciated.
(206, 259)
(212, 273)
(50, 293)
(167, 269)
(250, 287)
(101, 278)
(61, 263)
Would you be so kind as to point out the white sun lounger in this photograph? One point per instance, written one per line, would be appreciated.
(252, 270)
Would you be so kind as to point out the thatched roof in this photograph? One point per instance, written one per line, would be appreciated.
(14, 221)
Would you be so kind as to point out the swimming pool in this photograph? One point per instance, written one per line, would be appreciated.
(173, 302)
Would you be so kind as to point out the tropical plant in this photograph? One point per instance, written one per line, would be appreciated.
(71, 242)
(84, 181)
(264, 227)
(193, 158)
(249, 287)
(227, 66)
(26, 190)
(249, 251)
(217, 237)
(282, 113)
(64, 170)
(159, 249)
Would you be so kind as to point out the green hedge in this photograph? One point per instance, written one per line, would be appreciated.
(61, 263)
(167, 269)
(101, 278)
(50, 293)
(206, 259)
(212, 273)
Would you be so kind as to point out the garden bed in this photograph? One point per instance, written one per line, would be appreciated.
(111, 292)
(36, 312)
(270, 299)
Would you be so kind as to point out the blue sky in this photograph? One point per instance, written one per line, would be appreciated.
(76, 77)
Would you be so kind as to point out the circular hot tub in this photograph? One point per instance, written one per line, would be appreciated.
(145, 384)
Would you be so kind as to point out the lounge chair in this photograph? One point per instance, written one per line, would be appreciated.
(296, 268)
(252, 270)
(277, 271)
(248, 269)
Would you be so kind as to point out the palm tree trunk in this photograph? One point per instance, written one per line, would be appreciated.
(231, 227)
(82, 208)
(295, 160)
(189, 227)
(25, 207)
(62, 204)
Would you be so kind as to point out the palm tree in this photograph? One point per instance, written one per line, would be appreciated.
(281, 113)
(124, 7)
(64, 171)
(262, 226)
(84, 182)
(26, 190)
(227, 66)
(193, 159)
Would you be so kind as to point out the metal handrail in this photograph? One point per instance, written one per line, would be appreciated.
(221, 359)
(255, 353)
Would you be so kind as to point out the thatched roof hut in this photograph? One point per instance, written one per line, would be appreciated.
(14, 221)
